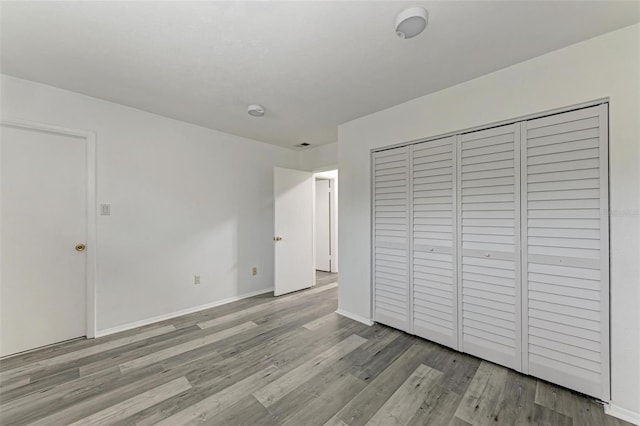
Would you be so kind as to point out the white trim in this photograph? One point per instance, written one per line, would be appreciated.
(517, 261)
(524, 246)
(457, 249)
(354, 317)
(91, 242)
(527, 117)
(136, 324)
(622, 413)
(410, 304)
(605, 252)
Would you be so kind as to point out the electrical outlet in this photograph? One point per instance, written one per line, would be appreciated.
(196, 279)
(254, 271)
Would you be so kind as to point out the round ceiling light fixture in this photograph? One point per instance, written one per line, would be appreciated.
(411, 22)
(255, 110)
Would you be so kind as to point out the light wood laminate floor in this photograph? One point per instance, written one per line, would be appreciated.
(275, 361)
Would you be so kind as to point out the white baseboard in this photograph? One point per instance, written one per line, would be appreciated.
(136, 324)
(354, 317)
(622, 413)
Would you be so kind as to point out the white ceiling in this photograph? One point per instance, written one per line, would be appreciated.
(313, 65)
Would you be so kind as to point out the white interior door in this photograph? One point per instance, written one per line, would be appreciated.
(43, 217)
(433, 195)
(489, 244)
(566, 256)
(293, 201)
(323, 225)
(391, 238)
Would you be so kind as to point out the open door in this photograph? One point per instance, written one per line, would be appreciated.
(323, 225)
(293, 199)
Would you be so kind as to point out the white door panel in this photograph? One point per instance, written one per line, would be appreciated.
(565, 249)
(293, 203)
(489, 217)
(323, 225)
(43, 217)
(391, 238)
(435, 292)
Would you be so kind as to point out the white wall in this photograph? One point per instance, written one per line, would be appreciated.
(324, 157)
(185, 201)
(606, 66)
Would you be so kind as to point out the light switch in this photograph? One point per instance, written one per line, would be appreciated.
(105, 209)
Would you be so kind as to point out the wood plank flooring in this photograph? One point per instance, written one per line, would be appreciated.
(275, 361)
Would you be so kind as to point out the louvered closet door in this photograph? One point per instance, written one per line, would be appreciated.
(391, 237)
(565, 236)
(489, 200)
(434, 262)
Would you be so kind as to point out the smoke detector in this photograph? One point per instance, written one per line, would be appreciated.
(411, 22)
(255, 110)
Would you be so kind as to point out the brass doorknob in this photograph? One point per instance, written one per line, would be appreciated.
(80, 247)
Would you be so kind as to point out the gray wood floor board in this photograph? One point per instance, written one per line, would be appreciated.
(209, 407)
(515, 401)
(542, 416)
(332, 376)
(317, 323)
(399, 409)
(437, 408)
(269, 395)
(136, 403)
(455, 421)
(483, 394)
(52, 351)
(379, 336)
(83, 407)
(324, 278)
(118, 356)
(186, 347)
(75, 392)
(363, 406)
(224, 373)
(219, 375)
(369, 366)
(36, 384)
(84, 353)
(459, 372)
(13, 384)
(328, 400)
(262, 307)
(105, 360)
(246, 412)
(80, 381)
(554, 397)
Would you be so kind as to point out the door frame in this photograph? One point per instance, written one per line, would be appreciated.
(91, 210)
(333, 213)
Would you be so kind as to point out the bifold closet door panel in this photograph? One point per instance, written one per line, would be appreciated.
(565, 240)
(434, 287)
(489, 244)
(391, 237)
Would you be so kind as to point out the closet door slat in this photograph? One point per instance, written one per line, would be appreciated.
(565, 250)
(391, 231)
(488, 244)
(433, 250)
